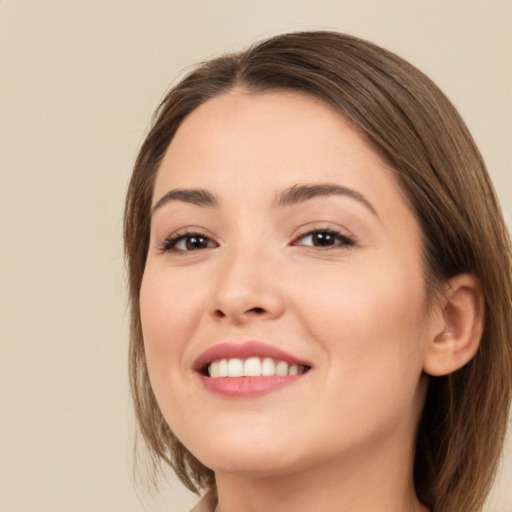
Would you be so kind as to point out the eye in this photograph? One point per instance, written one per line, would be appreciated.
(324, 238)
(186, 242)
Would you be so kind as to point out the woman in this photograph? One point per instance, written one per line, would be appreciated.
(320, 285)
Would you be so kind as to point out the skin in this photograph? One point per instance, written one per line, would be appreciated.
(341, 437)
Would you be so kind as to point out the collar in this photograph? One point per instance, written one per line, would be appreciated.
(207, 503)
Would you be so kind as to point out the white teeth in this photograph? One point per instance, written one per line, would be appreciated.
(253, 367)
(282, 368)
(235, 368)
(268, 368)
(223, 368)
(214, 369)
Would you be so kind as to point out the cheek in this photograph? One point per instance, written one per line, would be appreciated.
(168, 315)
(169, 318)
(374, 334)
(370, 319)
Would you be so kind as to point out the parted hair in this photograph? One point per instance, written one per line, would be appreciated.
(444, 180)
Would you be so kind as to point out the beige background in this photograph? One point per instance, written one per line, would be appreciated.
(78, 83)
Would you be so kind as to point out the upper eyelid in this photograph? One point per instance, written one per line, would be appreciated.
(316, 227)
(188, 231)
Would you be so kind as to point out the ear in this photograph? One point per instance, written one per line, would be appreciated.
(461, 314)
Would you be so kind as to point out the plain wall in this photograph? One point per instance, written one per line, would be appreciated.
(78, 83)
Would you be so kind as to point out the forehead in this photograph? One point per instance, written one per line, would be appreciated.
(275, 137)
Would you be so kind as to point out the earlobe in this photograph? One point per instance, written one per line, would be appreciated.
(462, 313)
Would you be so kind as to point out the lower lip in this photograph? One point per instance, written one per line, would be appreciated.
(247, 387)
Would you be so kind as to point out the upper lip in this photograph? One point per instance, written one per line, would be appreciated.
(244, 350)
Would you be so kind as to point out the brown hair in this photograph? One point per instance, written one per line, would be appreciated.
(444, 179)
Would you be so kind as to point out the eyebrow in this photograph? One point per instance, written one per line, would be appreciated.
(301, 193)
(198, 197)
(293, 195)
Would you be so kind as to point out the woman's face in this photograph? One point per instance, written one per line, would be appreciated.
(280, 243)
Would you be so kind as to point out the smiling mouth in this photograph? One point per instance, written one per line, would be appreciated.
(252, 367)
(247, 370)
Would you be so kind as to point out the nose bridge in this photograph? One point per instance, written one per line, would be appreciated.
(247, 284)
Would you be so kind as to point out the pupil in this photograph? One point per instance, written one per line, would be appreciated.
(195, 242)
(323, 239)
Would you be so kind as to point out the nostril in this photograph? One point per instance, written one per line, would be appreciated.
(237, 315)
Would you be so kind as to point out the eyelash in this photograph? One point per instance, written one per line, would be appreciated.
(343, 240)
(170, 243)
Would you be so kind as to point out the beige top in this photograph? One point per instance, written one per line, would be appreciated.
(207, 503)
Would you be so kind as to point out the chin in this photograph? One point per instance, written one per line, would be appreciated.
(249, 453)
(253, 464)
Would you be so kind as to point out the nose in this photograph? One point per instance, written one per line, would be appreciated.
(247, 289)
